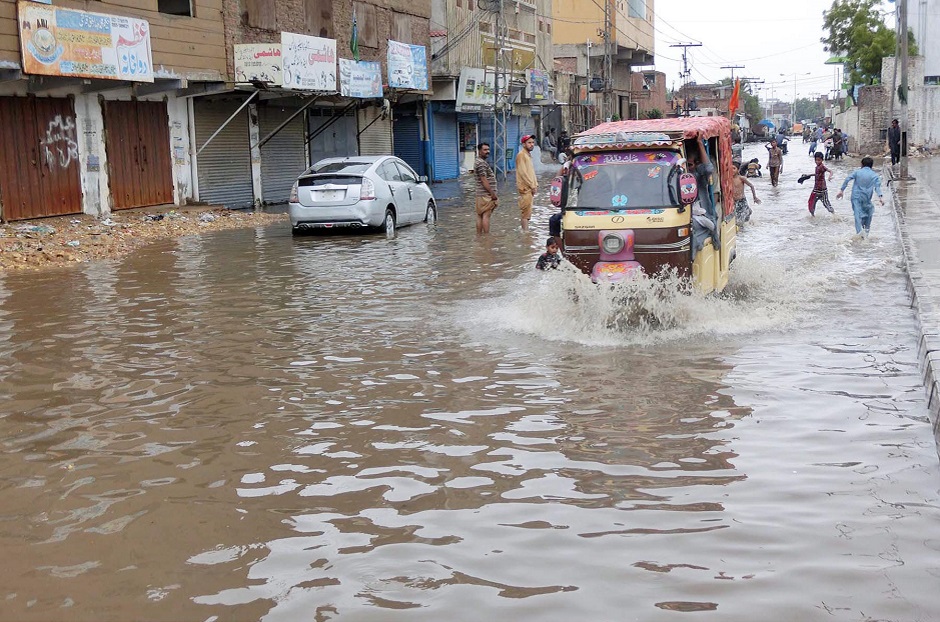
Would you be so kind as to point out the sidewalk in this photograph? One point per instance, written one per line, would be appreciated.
(918, 213)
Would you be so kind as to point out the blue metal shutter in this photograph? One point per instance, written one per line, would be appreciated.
(408, 145)
(446, 146)
(512, 139)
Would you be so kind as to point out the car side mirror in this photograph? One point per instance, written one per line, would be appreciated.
(422, 179)
(558, 193)
(688, 189)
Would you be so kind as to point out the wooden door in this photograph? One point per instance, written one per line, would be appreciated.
(137, 137)
(39, 167)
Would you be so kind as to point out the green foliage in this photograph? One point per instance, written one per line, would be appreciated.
(808, 109)
(654, 113)
(857, 31)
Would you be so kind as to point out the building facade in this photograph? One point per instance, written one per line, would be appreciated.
(256, 136)
(96, 102)
(472, 78)
(580, 48)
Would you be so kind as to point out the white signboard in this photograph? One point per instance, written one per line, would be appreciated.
(258, 61)
(308, 63)
(475, 90)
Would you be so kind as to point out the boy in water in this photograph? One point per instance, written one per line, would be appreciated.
(820, 190)
(550, 258)
(867, 183)
(742, 211)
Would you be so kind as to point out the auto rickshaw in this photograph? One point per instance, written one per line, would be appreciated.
(630, 201)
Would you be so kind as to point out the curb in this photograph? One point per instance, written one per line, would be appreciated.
(918, 286)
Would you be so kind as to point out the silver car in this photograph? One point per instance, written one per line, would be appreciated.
(365, 191)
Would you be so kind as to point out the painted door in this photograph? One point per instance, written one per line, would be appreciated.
(39, 168)
(137, 137)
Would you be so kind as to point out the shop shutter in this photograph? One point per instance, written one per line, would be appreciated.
(446, 147)
(512, 141)
(408, 145)
(338, 140)
(377, 139)
(282, 157)
(224, 166)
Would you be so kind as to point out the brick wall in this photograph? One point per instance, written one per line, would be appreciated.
(290, 16)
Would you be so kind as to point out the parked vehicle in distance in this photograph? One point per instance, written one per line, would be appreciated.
(380, 192)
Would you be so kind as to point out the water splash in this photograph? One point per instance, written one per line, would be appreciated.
(564, 305)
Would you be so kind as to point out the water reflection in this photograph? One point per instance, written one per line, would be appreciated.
(252, 426)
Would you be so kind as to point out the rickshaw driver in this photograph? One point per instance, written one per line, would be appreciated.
(701, 166)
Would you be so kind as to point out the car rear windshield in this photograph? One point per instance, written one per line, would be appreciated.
(329, 180)
(350, 168)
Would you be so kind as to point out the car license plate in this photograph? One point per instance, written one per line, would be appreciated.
(329, 195)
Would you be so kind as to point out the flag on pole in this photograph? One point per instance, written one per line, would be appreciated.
(735, 98)
(354, 38)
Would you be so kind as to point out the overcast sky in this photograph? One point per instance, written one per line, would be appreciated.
(768, 37)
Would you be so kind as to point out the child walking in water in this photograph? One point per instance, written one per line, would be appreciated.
(742, 211)
(820, 190)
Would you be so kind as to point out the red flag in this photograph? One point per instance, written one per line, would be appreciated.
(735, 94)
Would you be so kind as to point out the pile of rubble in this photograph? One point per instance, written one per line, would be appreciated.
(54, 242)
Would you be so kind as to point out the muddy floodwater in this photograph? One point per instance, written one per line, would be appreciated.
(251, 426)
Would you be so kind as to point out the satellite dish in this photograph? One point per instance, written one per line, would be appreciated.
(493, 6)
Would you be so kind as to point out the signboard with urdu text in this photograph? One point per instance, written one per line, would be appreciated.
(56, 41)
(407, 66)
(258, 61)
(362, 79)
(308, 63)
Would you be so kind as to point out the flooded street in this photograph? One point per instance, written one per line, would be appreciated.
(251, 426)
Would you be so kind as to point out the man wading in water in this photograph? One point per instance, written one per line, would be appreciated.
(526, 182)
(486, 188)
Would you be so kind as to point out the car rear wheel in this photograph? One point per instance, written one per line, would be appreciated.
(430, 216)
(389, 224)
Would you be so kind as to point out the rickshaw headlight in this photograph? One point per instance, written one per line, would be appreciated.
(612, 244)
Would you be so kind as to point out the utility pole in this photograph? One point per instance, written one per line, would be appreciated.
(607, 71)
(732, 68)
(902, 34)
(500, 96)
(685, 73)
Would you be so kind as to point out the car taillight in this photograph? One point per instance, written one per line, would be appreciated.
(366, 190)
(294, 198)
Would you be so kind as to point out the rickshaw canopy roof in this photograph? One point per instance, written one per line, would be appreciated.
(686, 127)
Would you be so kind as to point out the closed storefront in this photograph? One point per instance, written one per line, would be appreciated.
(375, 132)
(408, 144)
(332, 133)
(39, 167)
(137, 139)
(224, 166)
(446, 145)
(282, 157)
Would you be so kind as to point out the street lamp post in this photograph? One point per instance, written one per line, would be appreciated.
(793, 110)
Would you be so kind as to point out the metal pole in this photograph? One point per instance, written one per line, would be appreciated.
(608, 62)
(227, 121)
(902, 33)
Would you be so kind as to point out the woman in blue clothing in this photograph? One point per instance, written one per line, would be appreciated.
(867, 183)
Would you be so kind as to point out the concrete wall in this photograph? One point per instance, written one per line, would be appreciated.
(923, 103)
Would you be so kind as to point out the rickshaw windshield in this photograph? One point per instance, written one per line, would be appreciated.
(625, 180)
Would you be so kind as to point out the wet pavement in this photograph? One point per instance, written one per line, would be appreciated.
(918, 212)
(251, 426)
